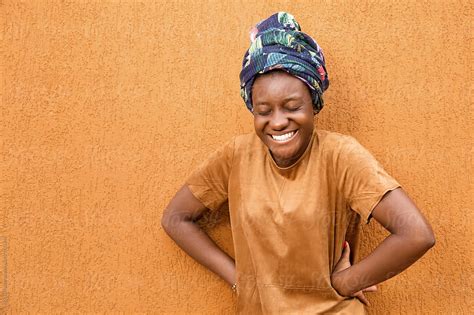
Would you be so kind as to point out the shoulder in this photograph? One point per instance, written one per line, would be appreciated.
(238, 145)
(342, 150)
(335, 142)
(238, 141)
(245, 138)
(246, 141)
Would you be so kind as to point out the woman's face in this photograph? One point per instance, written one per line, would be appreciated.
(283, 115)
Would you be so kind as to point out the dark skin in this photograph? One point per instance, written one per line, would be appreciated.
(282, 105)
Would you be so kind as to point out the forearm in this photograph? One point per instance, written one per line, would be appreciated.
(197, 244)
(392, 256)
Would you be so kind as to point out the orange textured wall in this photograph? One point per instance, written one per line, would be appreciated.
(107, 107)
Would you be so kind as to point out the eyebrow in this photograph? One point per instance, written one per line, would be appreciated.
(286, 99)
(290, 98)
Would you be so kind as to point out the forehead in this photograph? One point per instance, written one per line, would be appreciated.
(277, 85)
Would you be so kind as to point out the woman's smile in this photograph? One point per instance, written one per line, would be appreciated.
(284, 138)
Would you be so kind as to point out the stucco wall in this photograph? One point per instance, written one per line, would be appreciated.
(107, 107)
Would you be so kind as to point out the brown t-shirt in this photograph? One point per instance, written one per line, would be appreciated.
(289, 224)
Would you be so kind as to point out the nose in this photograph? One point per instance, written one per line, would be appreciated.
(278, 121)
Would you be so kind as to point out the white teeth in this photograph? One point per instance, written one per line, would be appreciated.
(284, 137)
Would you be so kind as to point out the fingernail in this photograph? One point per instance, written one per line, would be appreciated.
(345, 244)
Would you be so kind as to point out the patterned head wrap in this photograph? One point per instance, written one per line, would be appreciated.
(278, 43)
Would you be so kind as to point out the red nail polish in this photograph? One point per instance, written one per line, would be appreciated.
(345, 244)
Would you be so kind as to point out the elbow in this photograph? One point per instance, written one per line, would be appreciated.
(166, 221)
(428, 244)
(429, 237)
(430, 240)
(163, 221)
(419, 233)
(420, 236)
(170, 221)
(424, 239)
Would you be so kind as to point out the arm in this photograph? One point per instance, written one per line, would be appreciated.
(411, 236)
(178, 222)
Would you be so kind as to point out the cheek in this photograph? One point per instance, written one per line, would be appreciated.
(258, 123)
(306, 119)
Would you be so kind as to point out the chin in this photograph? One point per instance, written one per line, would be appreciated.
(284, 156)
(283, 153)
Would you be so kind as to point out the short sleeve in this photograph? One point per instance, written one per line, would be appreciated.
(361, 178)
(209, 181)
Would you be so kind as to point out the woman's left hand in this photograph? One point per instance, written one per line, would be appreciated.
(337, 283)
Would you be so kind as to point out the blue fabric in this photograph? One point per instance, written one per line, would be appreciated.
(278, 43)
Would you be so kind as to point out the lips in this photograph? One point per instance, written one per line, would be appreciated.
(284, 137)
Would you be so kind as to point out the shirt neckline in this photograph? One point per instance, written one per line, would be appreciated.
(305, 153)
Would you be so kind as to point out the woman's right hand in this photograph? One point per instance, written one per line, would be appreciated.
(338, 282)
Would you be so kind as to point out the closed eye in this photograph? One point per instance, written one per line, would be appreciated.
(294, 109)
(263, 113)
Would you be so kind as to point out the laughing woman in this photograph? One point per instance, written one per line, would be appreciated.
(295, 193)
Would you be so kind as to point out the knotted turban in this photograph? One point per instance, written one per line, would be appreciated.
(278, 43)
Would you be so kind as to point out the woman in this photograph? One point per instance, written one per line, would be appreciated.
(295, 193)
